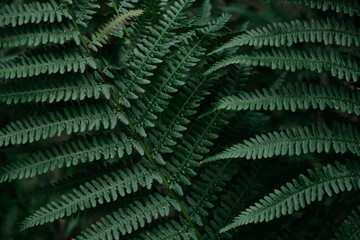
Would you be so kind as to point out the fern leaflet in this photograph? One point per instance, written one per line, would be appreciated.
(318, 59)
(301, 140)
(293, 97)
(301, 192)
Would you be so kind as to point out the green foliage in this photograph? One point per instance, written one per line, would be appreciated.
(295, 97)
(301, 192)
(315, 59)
(301, 140)
(350, 228)
(97, 191)
(329, 31)
(36, 12)
(53, 90)
(71, 153)
(298, 45)
(38, 34)
(131, 218)
(350, 7)
(70, 120)
(114, 112)
(50, 63)
(101, 36)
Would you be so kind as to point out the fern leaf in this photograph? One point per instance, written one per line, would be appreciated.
(101, 36)
(204, 191)
(171, 76)
(131, 218)
(176, 117)
(101, 190)
(53, 90)
(69, 154)
(50, 63)
(70, 120)
(302, 140)
(350, 228)
(293, 97)
(169, 231)
(188, 154)
(301, 192)
(82, 10)
(123, 4)
(149, 51)
(328, 31)
(233, 203)
(36, 12)
(39, 34)
(350, 7)
(318, 59)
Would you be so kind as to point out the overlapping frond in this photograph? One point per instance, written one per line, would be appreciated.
(150, 48)
(74, 87)
(104, 189)
(296, 141)
(129, 219)
(36, 12)
(101, 36)
(176, 118)
(301, 192)
(204, 191)
(82, 10)
(244, 190)
(33, 36)
(82, 118)
(171, 77)
(49, 63)
(351, 7)
(327, 31)
(171, 230)
(317, 59)
(350, 227)
(71, 153)
(294, 97)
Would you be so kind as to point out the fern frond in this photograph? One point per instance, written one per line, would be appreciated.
(293, 97)
(33, 36)
(101, 190)
(53, 90)
(82, 118)
(318, 59)
(188, 154)
(82, 10)
(129, 219)
(71, 153)
(204, 191)
(301, 192)
(123, 5)
(36, 12)
(171, 230)
(175, 118)
(50, 63)
(101, 36)
(171, 75)
(149, 50)
(301, 140)
(244, 190)
(350, 228)
(327, 31)
(350, 7)
(199, 138)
